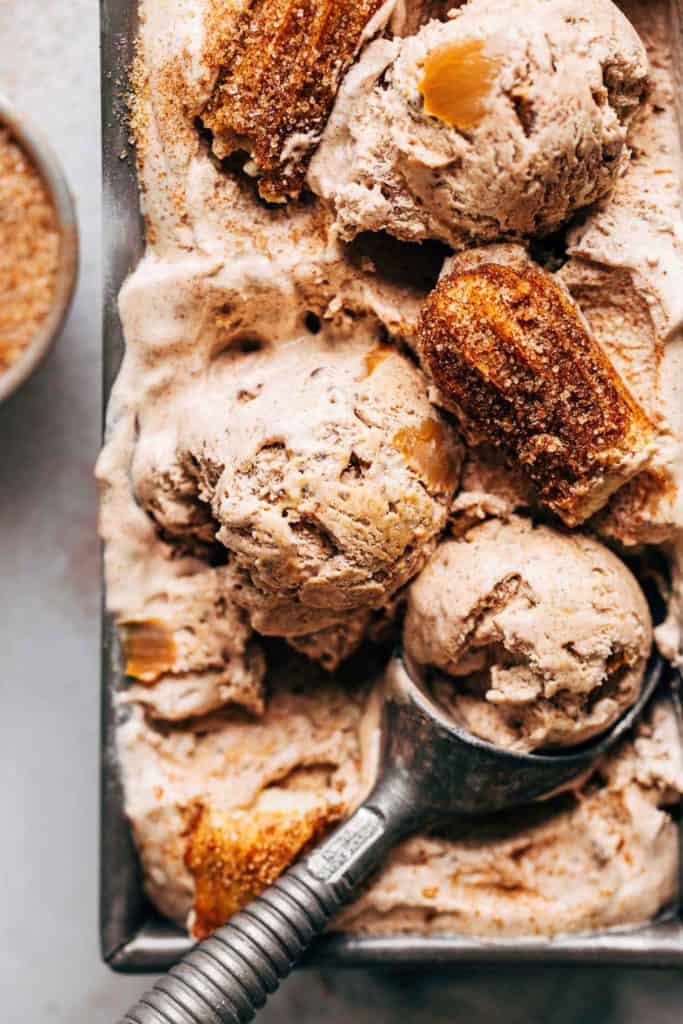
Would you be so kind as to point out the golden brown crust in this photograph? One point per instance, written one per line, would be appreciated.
(281, 62)
(233, 858)
(510, 352)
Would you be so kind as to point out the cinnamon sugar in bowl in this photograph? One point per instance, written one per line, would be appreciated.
(38, 249)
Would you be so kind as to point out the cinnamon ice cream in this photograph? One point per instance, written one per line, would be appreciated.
(621, 265)
(280, 475)
(282, 774)
(502, 121)
(603, 856)
(540, 637)
(320, 468)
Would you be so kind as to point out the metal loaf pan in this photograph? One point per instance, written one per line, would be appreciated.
(134, 938)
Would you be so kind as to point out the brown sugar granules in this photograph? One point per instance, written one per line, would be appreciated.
(29, 250)
(279, 63)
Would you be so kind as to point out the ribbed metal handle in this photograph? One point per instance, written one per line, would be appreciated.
(229, 976)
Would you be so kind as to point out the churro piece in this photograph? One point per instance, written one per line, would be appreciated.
(280, 67)
(234, 857)
(512, 355)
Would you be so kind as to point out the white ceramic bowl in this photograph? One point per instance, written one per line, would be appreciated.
(42, 157)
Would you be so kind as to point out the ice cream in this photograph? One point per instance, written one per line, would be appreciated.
(510, 353)
(540, 638)
(501, 121)
(278, 776)
(319, 468)
(604, 856)
(624, 269)
(276, 461)
(621, 265)
(213, 251)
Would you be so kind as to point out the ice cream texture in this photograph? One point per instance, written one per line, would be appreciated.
(503, 120)
(540, 637)
(281, 482)
(603, 856)
(321, 469)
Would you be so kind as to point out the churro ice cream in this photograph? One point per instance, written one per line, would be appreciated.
(502, 120)
(539, 637)
(602, 856)
(320, 469)
(287, 488)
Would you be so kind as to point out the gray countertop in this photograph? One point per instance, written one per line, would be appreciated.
(50, 970)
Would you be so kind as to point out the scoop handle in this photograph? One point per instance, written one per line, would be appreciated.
(230, 975)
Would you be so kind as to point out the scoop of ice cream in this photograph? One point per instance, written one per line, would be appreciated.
(602, 856)
(321, 468)
(501, 121)
(540, 637)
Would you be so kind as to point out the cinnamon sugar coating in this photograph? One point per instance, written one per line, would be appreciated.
(233, 858)
(281, 63)
(511, 353)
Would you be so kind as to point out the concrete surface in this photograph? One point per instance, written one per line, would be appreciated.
(49, 591)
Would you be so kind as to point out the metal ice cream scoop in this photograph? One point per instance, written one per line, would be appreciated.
(430, 770)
